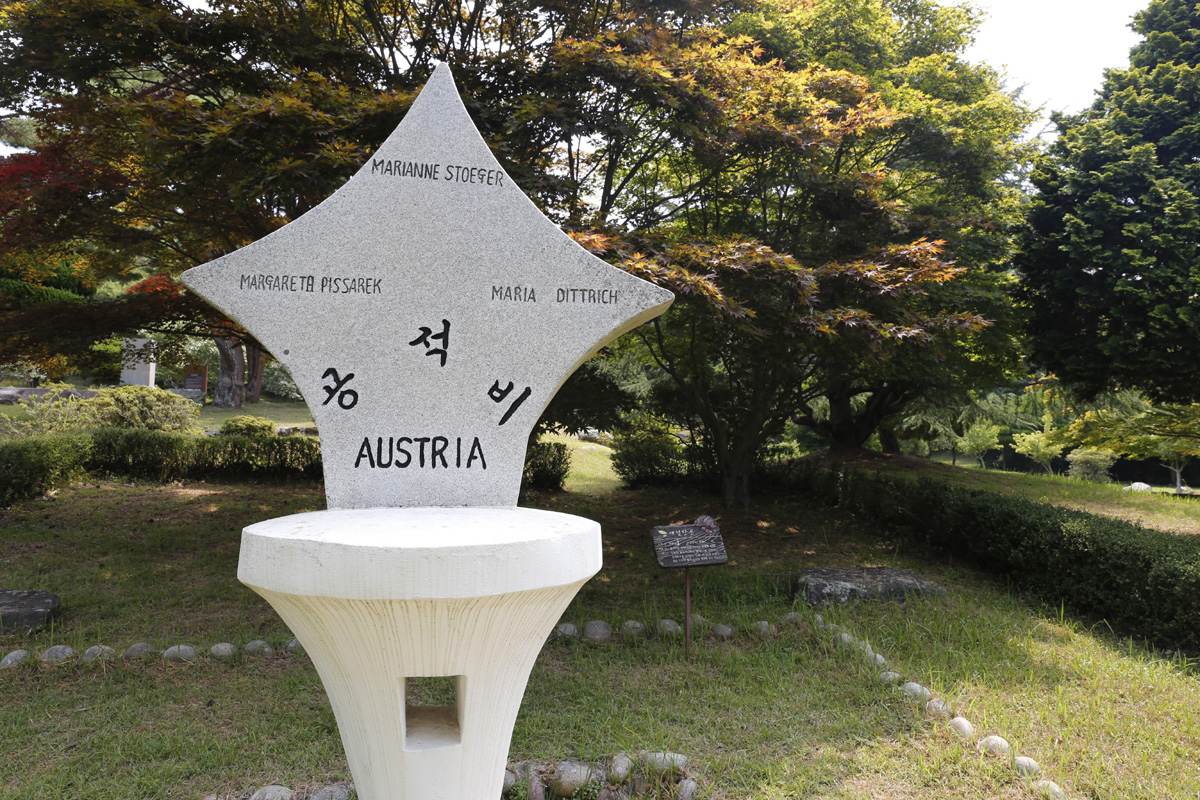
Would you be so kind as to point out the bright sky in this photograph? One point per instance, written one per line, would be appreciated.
(1056, 49)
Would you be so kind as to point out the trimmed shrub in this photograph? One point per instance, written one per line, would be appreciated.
(1142, 581)
(546, 467)
(144, 407)
(648, 456)
(1091, 465)
(34, 465)
(248, 425)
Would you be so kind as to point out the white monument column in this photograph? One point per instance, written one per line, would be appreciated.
(428, 312)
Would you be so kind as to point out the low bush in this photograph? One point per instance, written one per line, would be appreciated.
(1141, 581)
(1091, 465)
(648, 456)
(546, 467)
(32, 465)
(143, 407)
(248, 425)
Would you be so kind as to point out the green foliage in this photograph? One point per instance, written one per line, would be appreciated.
(247, 425)
(277, 382)
(144, 407)
(1170, 433)
(1091, 465)
(646, 453)
(1141, 581)
(34, 465)
(1039, 447)
(1109, 259)
(979, 438)
(546, 467)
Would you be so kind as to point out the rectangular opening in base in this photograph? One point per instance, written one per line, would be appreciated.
(432, 711)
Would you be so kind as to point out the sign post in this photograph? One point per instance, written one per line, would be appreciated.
(687, 546)
(428, 312)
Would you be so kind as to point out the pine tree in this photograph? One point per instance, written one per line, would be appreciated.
(1111, 257)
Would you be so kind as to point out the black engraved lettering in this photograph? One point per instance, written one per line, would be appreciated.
(421, 440)
(497, 394)
(400, 451)
(379, 452)
(476, 447)
(516, 404)
(347, 398)
(437, 449)
(365, 450)
(443, 337)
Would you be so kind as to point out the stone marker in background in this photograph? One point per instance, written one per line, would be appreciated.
(137, 362)
(428, 312)
(822, 585)
(26, 611)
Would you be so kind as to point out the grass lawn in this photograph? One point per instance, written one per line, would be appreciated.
(760, 716)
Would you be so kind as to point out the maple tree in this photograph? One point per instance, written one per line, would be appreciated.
(732, 129)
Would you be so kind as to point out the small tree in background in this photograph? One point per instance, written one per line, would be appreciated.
(979, 438)
(1170, 433)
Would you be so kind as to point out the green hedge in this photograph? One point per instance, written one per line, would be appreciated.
(1141, 581)
(35, 465)
(32, 465)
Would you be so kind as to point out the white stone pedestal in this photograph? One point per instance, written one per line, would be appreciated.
(380, 595)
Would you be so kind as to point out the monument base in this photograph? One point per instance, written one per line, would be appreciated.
(379, 596)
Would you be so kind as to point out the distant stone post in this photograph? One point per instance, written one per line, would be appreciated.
(138, 361)
(428, 312)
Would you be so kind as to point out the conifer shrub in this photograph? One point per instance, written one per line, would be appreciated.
(144, 407)
(646, 453)
(248, 425)
(546, 467)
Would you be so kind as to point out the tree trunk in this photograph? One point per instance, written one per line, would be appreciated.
(255, 362)
(889, 439)
(1178, 471)
(845, 430)
(231, 377)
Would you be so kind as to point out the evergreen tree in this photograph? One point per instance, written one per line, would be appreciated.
(1111, 257)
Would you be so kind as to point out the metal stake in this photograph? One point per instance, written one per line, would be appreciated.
(687, 610)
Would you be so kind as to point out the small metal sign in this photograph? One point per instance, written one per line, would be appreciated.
(695, 545)
(196, 377)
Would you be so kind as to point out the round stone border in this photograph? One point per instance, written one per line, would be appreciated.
(176, 653)
(554, 775)
(993, 744)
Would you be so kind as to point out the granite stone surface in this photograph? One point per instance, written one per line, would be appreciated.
(428, 312)
(25, 611)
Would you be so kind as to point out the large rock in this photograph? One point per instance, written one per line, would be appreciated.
(27, 611)
(823, 585)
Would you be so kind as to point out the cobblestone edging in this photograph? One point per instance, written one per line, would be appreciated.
(622, 776)
(938, 708)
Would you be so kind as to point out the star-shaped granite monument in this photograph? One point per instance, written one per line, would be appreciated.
(428, 311)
